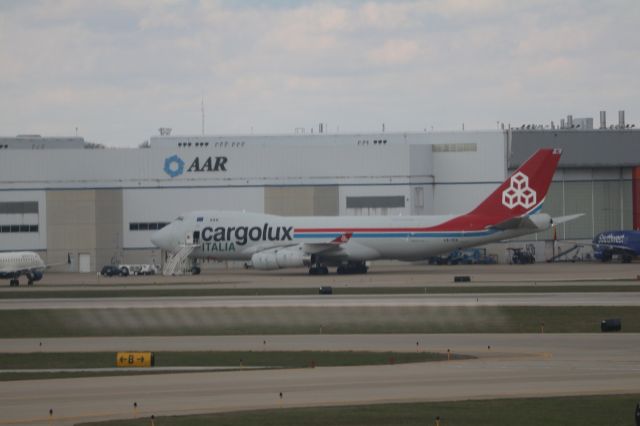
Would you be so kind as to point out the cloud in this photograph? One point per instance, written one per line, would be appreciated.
(395, 52)
(276, 66)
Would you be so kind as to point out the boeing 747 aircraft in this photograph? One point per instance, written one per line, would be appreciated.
(17, 263)
(273, 242)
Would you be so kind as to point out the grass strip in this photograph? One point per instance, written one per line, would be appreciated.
(311, 320)
(302, 291)
(564, 411)
(238, 359)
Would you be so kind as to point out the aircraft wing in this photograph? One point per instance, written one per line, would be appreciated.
(53, 265)
(562, 219)
(537, 221)
(309, 248)
(523, 222)
(314, 248)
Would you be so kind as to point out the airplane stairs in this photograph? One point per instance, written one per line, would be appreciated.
(564, 253)
(178, 262)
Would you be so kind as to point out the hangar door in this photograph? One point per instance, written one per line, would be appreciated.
(302, 200)
(84, 262)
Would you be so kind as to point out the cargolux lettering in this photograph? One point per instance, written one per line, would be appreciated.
(243, 234)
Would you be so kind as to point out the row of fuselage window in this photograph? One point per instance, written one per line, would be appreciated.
(23, 260)
(6, 229)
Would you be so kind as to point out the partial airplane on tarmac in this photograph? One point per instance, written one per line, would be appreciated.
(17, 263)
(625, 244)
(273, 242)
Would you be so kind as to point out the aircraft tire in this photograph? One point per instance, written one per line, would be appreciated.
(324, 270)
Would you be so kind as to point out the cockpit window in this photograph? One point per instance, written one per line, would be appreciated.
(180, 218)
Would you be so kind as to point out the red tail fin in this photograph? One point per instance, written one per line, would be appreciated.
(525, 189)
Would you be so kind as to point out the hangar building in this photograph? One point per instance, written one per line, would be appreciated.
(65, 198)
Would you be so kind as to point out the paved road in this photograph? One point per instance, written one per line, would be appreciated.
(514, 366)
(398, 274)
(336, 301)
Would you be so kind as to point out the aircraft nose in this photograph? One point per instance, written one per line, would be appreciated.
(162, 238)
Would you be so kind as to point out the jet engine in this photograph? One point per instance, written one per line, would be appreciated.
(280, 258)
(35, 275)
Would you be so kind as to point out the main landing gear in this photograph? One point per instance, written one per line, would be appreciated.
(345, 268)
(353, 268)
(318, 269)
(15, 281)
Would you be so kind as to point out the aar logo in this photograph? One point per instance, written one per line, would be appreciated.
(519, 193)
(173, 166)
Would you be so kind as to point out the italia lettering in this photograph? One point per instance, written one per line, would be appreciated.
(242, 234)
(227, 246)
(218, 166)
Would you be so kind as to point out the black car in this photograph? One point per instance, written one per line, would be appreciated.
(110, 271)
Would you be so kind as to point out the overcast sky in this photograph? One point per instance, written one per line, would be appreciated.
(120, 69)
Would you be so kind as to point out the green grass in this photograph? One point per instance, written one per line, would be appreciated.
(239, 359)
(123, 291)
(614, 410)
(279, 359)
(314, 320)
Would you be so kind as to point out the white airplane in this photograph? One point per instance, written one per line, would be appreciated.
(17, 263)
(348, 242)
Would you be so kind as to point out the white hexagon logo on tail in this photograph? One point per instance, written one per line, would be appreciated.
(519, 193)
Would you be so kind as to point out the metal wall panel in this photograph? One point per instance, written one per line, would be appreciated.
(578, 199)
(607, 206)
(71, 225)
(289, 201)
(251, 165)
(581, 148)
(325, 200)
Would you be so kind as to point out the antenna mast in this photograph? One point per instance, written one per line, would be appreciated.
(202, 110)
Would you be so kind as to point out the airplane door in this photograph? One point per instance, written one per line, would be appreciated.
(196, 237)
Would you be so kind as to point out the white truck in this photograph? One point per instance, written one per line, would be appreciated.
(138, 269)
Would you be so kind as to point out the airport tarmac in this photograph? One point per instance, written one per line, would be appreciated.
(332, 301)
(397, 274)
(508, 365)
